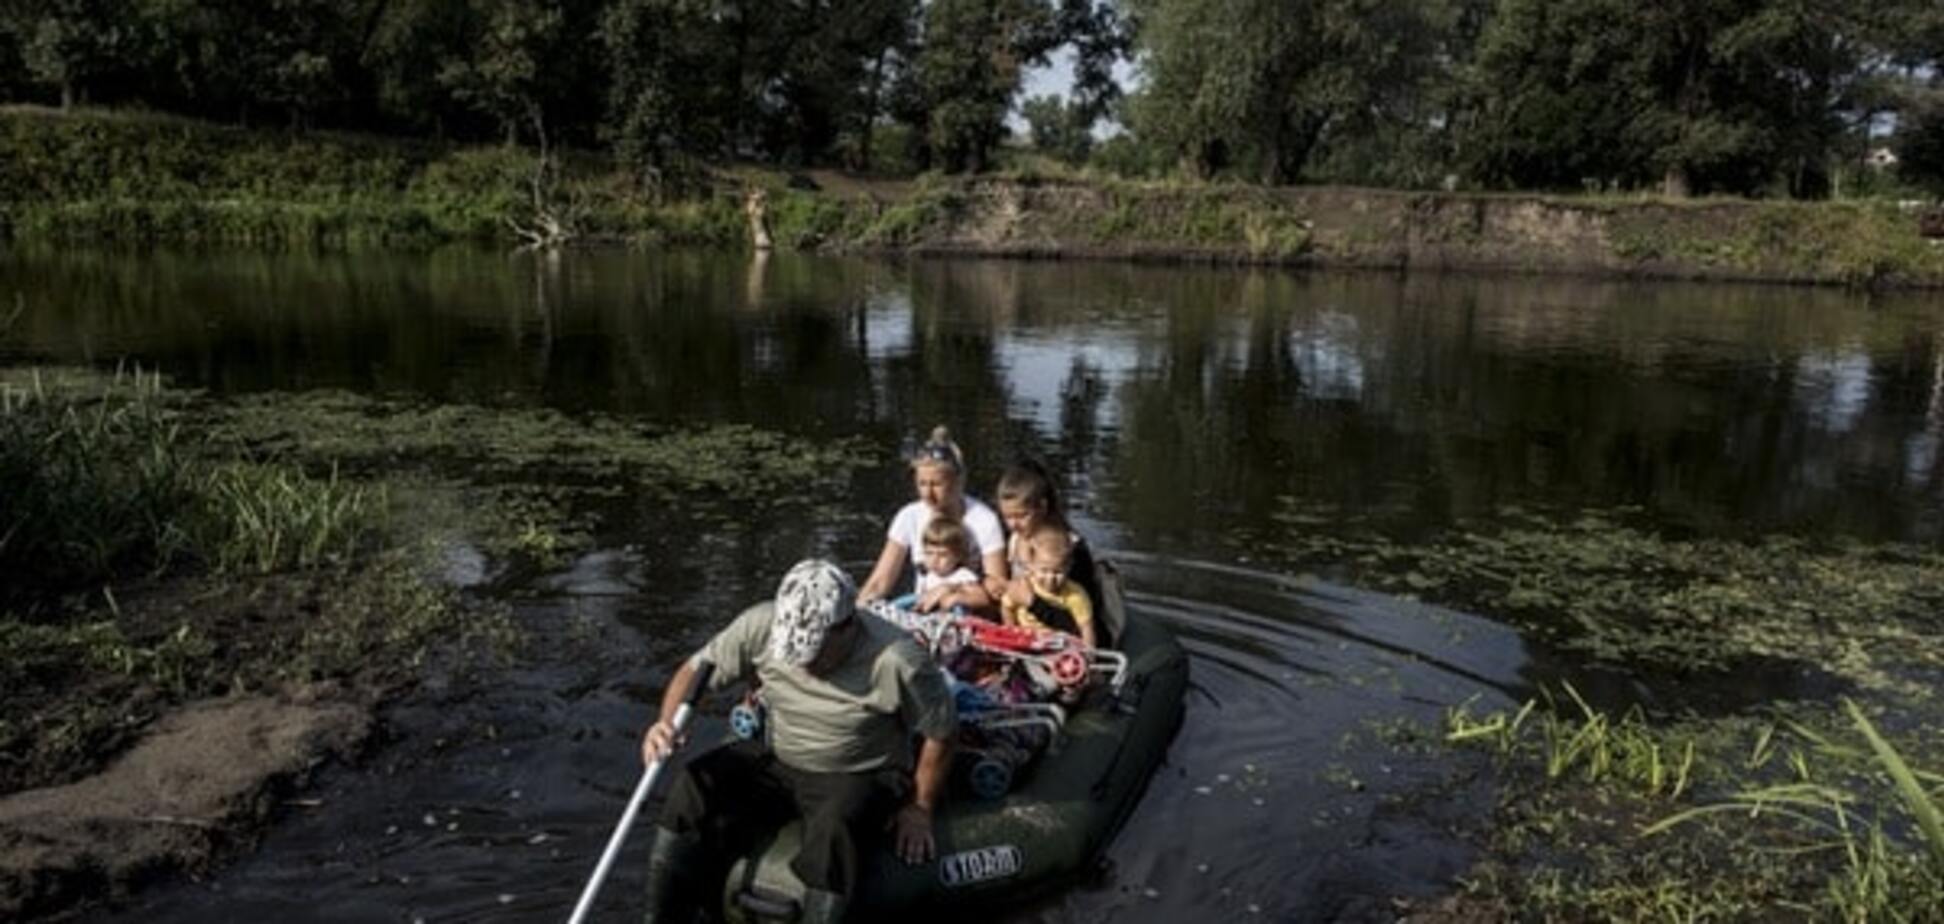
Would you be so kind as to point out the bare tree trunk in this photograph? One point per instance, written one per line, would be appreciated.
(555, 208)
(67, 95)
(1674, 183)
(756, 208)
(870, 115)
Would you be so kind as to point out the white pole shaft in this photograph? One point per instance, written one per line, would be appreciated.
(621, 830)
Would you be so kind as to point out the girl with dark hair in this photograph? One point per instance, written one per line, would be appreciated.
(1028, 503)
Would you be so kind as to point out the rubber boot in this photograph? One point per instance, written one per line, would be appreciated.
(674, 860)
(820, 907)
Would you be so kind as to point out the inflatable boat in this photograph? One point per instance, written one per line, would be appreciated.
(1048, 828)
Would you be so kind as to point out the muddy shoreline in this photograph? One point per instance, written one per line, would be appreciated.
(200, 786)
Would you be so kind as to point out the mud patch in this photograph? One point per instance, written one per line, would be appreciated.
(200, 782)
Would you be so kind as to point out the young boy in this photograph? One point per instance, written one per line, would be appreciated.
(1060, 603)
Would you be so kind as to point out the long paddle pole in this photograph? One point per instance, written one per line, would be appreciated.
(641, 790)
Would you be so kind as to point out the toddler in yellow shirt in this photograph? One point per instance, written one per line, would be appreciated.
(1058, 603)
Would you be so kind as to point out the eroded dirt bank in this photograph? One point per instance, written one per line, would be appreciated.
(204, 779)
(1850, 243)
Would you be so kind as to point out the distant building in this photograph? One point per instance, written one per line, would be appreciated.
(1881, 158)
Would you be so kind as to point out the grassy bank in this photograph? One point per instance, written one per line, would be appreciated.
(170, 547)
(93, 176)
(1806, 811)
(149, 567)
(99, 176)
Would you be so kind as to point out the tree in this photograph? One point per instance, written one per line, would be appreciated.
(890, 40)
(786, 81)
(406, 44)
(503, 73)
(1920, 144)
(14, 81)
(295, 55)
(815, 69)
(1100, 37)
(1702, 95)
(657, 102)
(968, 69)
(72, 45)
(1266, 82)
(1059, 129)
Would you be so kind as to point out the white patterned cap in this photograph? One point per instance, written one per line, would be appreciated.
(812, 598)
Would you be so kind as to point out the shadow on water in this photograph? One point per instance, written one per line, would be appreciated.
(1301, 782)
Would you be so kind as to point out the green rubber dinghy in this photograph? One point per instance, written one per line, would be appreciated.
(1048, 829)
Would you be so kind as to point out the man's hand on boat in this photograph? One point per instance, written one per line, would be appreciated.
(913, 825)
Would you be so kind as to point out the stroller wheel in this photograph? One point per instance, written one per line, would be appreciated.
(990, 777)
(746, 721)
(1070, 668)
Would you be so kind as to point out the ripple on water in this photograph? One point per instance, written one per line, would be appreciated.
(1286, 795)
(1292, 791)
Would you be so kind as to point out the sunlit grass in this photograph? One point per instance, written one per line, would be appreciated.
(1585, 743)
(1813, 811)
(270, 518)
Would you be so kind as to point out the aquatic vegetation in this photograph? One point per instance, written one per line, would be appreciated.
(149, 565)
(594, 452)
(180, 547)
(1591, 745)
(1807, 808)
(1622, 594)
(533, 483)
(99, 479)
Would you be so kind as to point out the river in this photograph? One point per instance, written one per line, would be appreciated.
(1189, 411)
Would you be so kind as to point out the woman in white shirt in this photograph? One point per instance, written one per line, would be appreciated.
(938, 478)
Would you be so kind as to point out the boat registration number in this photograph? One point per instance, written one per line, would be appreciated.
(984, 864)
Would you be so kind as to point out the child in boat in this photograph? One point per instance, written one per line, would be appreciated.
(1029, 502)
(944, 580)
(1059, 603)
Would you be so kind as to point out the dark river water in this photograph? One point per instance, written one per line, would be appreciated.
(1183, 407)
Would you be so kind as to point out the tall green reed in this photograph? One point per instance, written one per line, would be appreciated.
(1587, 742)
(100, 482)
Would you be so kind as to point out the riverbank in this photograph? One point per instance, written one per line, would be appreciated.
(109, 177)
(188, 630)
(211, 600)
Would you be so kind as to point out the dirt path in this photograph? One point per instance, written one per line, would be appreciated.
(202, 781)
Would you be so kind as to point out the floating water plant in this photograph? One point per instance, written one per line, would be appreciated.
(1796, 815)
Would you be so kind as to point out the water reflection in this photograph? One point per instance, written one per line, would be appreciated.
(1183, 406)
(1187, 401)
